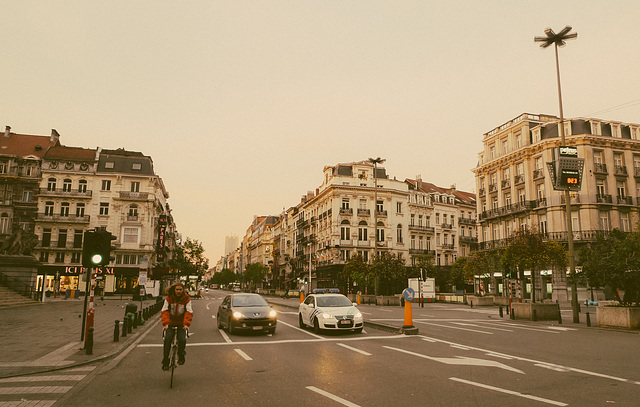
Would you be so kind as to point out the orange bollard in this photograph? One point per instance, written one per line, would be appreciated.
(301, 297)
(408, 317)
(358, 299)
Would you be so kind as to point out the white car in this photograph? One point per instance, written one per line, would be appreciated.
(332, 312)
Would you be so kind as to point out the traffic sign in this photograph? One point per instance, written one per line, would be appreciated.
(409, 294)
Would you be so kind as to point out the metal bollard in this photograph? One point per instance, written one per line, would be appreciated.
(588, 319)
(88, 346)
(125, 326)
(134, 320)
(129, 324)
(500, 311)
(513, 315)
(559, 317)
(116, 332)
(140, 319)
(534, 316)
(507, 310)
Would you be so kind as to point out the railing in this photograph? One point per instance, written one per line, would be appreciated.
(600, 168)
(446, 226)
(620, 170)
(421, 251)
(448, 246)
(505, 183)
(468, 239)
(538, 173)
(363, 243)
(493, 187)
(466, 221)
(346, 211)
(481, 192)
(625, 200)
(132, 218)
(604, 198)
(540, 203)
(581, 235)
(636, 171)
(382, 213)
(422, 228)
(61, 218)
(137, 196)
(65, 192)
(364, 212)
(574, 199)
(518, 179)
(22, 286)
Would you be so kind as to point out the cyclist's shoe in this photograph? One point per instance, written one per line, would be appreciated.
(165, 364)
(181, 360)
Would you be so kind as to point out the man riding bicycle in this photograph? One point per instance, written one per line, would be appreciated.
(176, 312)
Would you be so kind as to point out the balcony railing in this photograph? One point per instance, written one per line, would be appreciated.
(574, 199)
(364, 212)
(481, 192)
(134, 196)
(636, 171)
(604, 198)
(505, 183)
(466, 221)
(582, 235)
(422, 251)
(518, 179)
(624, 200)
(493, 188)
(60, 218)
(538, 173)
(600, 168)
(363, 243)
(422, 228)
(448, 246)
(62, 192)
(446, 226)
(468, 239)
(381, 214)
(346, 211)
(620, 170)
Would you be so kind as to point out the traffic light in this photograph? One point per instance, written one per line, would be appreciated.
(97, 248)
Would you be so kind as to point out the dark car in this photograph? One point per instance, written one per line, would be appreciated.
(246, 312)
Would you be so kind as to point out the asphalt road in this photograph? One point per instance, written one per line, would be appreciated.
(462, 357)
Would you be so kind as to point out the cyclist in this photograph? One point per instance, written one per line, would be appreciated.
(176, 312)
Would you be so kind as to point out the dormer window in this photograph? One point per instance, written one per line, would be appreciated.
(136, 166)
(108, 165)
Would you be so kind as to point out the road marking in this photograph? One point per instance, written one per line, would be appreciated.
(333, 397)
(456, 327)
(51, 378)
(35, 390)
(560, 328)
(224, 336)
(301, 330)
(244, 355)
(460, 360)
(354, 349)
(511, 392)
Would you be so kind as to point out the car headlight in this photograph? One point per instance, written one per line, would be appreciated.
(358, 315)
(272, 314)
(237, 315)
(326, 315)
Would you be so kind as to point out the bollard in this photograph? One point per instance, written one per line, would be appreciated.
(134, 320)
(559, 317)
(140, 319)
(507, 310)
(471, 303)
(125, 326)
(500, 311)
(116, 332)
(513, 315)
(88, 345)
(588, 319)
(129, 324)
(534, 316)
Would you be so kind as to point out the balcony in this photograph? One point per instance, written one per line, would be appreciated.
(620, 170)
(132, 218)
(346, 242)
(420, 228)
(41, 217)
(468, 239)
(346, 211)
(448, 246)
(65, 193)
(133, 196)
(381, 244)
(518, 179)
(538, 173)
(446, 226)
(636, 171)
(364, 212)
(540, 203)
(381, 214)
(505, 183)
(493, 188)
(575, 199)
(600, 168)
(624, 200)
(604, 198)
(481, 192)
(422, 252)
(364, 243)
(466, 221)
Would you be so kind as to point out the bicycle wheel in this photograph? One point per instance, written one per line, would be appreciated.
(172, 360)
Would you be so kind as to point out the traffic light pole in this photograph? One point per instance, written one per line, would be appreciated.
(89, 310)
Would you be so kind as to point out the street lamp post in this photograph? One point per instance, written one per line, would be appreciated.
(375, 162)
(309, 289)
(559, 40)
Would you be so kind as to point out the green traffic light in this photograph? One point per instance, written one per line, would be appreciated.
(96, 259)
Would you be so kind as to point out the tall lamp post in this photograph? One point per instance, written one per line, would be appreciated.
(375, 162)
(558, 40)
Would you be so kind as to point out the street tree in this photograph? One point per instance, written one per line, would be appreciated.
(224, 277)
(388, 268)
(460, 274)
(356, 270)
(188, 258)
(255, 273)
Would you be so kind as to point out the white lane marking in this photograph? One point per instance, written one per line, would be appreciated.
(224, 336)
(456, 327)
(460, 360)
(354, 349)
(301, 330)
(511, 392)
(333, 397)
(518, 326)
(50, 378)
(482, 326)
(35, 390)
(560, 328)
(534, 362)
(244, 355)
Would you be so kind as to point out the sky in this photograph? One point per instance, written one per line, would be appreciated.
(242, 103)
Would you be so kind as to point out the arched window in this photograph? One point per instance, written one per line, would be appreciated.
(133, 212)
(345, 230)
(363, 235)
(399, 234)
(48, 208)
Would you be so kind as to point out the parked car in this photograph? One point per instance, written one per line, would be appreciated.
(331, 312)
(246, 312)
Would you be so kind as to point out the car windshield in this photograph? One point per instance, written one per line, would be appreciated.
(248, 301)
(333, 301)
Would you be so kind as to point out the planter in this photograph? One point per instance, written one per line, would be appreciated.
(618, 317)
(541, 311)
(479, 301)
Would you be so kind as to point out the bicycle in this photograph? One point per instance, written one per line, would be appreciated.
(173, 352)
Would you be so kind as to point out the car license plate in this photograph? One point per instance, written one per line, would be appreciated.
(345, 322)
(257, 328)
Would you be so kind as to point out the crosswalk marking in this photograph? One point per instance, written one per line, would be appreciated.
(53, 378)
(35, 390)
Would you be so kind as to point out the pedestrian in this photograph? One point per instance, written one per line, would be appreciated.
(176, 312)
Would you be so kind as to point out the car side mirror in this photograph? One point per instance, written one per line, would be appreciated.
(354, 304)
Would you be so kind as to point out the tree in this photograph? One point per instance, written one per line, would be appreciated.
(188, 258)
(356, 270)
(388, 267)
(255, 273)
(614, 260)
(460, 274)
(225, 277)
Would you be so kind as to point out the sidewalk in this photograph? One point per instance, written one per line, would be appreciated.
(46, 336)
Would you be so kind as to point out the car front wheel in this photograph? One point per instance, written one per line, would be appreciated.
(219, 322)
(316, 326)
(300, 323)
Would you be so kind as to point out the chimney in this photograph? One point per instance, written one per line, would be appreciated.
(54, 136)
(418, 179)
(7, 130)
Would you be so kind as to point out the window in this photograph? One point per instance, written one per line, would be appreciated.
(520, 169)
(51, 184)
(104, 208)
(64, 209)
(62, 238)
(604, 221)
(540, 191)
(364, 254)
(601, 187)
(345, 230)
(399, 207)
(624, 222)
(379, 206)
(4, 223)
(362, 204)
(4, 167)
(597, 157)
(77, 238)
(538, 163)
(518, 137)
(535, 135)
(48, 208)
(345, 255)
(595, 128)
(135, 186)
(437, 218)
(427, 221)
(521, 196)
(345, 203)
(507, 199)
(362, 231)
(133, 211)
(79, 210)
(420, 243)
(412, 221)
(621, 188)
(46, 237)
(419, 220)
(60, 257)
(66, 185)
(399, 234)
(494, 204)
(27, 196)
(76, 258)
(108, 165)
(130, 235)
(106, 185)
(44, 257)
(618, 160)
(82, 186)
(136, 166)
(492, 151)
(543, 224)
(380, 232)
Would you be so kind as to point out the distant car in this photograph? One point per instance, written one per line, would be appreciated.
(332, 312)
(246, 312)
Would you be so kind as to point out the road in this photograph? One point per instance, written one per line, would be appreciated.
(462, 357)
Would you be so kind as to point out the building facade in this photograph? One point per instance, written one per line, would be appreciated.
(515, 190)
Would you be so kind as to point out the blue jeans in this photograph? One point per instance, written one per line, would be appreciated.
(168, 339)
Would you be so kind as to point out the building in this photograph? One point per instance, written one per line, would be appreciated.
(515, 190)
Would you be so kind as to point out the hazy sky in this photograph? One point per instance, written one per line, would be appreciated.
(241, 104)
